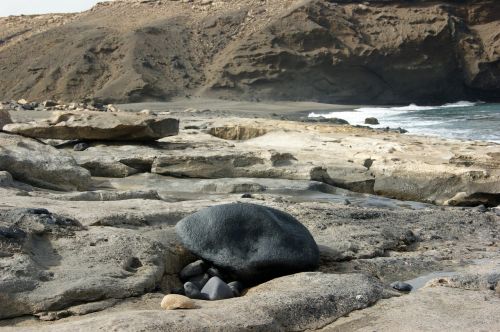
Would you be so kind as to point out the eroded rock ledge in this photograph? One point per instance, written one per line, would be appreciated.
(104, 257)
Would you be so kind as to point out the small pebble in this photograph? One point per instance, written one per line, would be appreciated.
(236, 287)
(401, 286)
(216, 289)
(192, 291)
(247, 195)
(200, 280)
(214, 272)
(193, 269)
(175, 301)
(481, 208)
(81, 147)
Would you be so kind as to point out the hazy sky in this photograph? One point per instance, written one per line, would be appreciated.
(27, 7)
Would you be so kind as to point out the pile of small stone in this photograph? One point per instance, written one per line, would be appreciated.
(205, 282)
(51, 105)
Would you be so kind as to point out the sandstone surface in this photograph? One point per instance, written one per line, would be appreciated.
(4, 118)
(42, 165)
(98, 126)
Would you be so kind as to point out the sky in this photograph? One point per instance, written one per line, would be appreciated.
(28, 7)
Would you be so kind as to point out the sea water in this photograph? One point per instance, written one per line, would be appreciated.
(461, 120)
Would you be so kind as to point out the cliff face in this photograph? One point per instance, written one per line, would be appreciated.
(342, 51)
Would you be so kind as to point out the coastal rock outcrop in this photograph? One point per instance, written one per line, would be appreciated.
(252, 242)
(291, 303)
(41, 165)
(50, 262)
(98, 126)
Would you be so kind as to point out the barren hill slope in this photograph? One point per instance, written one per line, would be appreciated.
(342, 51)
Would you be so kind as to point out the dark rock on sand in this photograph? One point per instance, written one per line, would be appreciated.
(81, 147)
(193, 269)
(200, 280)
(371, 121)
(237, 287)
(251, 242)
(321, 119)
(214, 272)
(216, 289)
(192, 291)
(402, 286)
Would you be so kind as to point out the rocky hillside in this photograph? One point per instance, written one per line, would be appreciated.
(342, 51)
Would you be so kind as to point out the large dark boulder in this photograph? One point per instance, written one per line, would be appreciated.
(253, 243)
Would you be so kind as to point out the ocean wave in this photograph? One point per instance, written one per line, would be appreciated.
(461, 104)
(411, 107)
(356, 114)
(415, 107)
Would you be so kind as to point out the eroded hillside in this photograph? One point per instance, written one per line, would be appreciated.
(343, 51)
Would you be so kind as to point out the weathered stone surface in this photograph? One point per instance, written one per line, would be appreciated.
(252, 242)
(98, 126)
(237, 132)
(358, 159)
(292, 303)
(122, 210)
(53, 263)
(41, 165)
(258, 164)
(378, 236)
(456, 310)
(5, 179)
(4, 118)
(101, 195)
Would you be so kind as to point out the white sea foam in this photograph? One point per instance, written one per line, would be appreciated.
(359, 114)
(381, 111)
(460, 104)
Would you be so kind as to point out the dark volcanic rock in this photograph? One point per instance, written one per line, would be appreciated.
(200, 280)
(81, 147)
(371, 121)
(192, 291)
(193, 269)
(216, 289)
(252, 242)
(236, 287)
(402, 286)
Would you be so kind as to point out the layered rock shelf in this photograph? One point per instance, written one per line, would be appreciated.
(88, 235)
(98, 126)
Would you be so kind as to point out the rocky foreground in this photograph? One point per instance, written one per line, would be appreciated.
(337, 51)
(87, 238)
